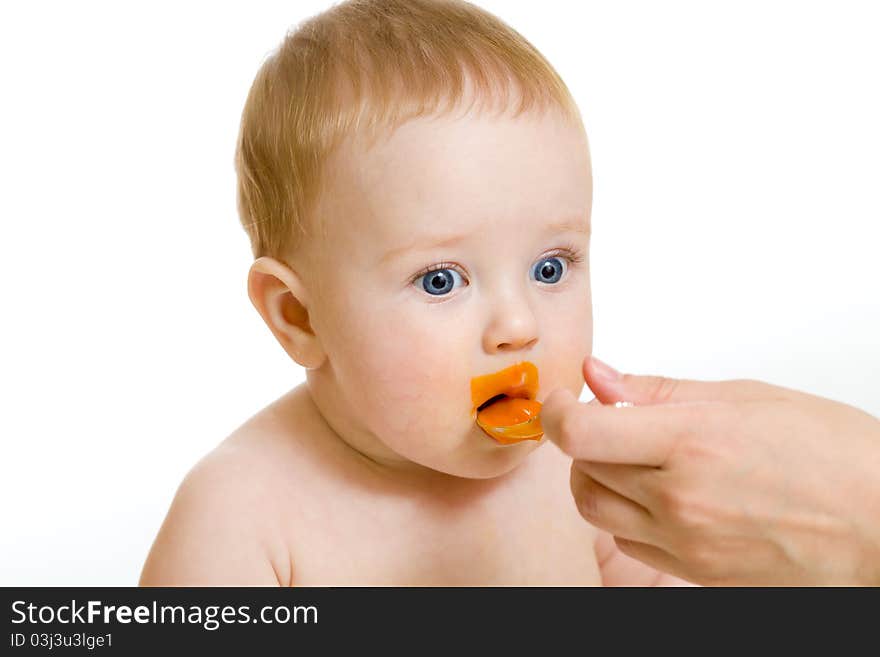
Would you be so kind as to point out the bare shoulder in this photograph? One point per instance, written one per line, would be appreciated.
(222, 526)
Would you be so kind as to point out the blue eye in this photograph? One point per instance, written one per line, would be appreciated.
(439, 281)
(548, 270)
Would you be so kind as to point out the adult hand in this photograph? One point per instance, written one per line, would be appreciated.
(730, 482)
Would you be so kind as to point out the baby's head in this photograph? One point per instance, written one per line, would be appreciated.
(415, 180)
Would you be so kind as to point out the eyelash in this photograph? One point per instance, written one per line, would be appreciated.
(571, 253)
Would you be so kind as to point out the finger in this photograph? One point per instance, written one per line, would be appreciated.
(631, 481)
(607, 510)
(642, 435)
(611, 386)
(652, 556)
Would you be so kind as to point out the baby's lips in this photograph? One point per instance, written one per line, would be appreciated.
(513, 417)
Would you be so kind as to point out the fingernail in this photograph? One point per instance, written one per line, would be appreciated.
(605, 371)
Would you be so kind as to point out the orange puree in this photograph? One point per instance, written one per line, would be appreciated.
(515, 417)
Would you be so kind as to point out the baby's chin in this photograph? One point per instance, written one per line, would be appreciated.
(483, 458)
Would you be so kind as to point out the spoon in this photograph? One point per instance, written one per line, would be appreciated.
(529, 430)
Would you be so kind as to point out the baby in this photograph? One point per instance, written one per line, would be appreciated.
(415, 180)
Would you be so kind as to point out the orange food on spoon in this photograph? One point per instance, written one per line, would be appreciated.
(505, 407)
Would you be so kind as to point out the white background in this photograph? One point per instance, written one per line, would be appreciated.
(736, 167)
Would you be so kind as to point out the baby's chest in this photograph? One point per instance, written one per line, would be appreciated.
(534, 546)
(527, 549)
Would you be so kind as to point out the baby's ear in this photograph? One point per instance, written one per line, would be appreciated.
(280, 297)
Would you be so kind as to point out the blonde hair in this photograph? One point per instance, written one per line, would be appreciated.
(363, 68)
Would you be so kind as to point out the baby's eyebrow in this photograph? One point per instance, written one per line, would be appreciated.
(573, 225)
(422, 244)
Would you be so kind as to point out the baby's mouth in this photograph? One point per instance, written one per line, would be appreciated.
(505, 407)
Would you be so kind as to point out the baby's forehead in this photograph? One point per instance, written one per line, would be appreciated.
(459, 172)
(456, 132)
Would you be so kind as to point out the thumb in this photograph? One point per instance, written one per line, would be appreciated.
(611, 386)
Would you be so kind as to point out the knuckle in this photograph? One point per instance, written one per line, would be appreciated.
(705, 436)
(625, 546)
(702, 449)
(684, 509)
(576, 480)
(588, 506)
(691, 515)
(569, 431)
(694, 540)
(585, 497)
(661, 389)
(668, 502)
(702, 560)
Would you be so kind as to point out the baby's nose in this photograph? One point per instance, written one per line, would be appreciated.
(512, 327)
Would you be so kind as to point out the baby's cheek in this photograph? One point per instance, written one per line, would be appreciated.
(412, 374)
(566, 343)
(578, 334)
